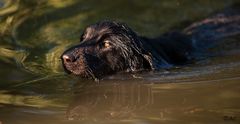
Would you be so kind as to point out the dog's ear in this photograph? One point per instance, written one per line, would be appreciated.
(85, 33)
(88, 33)
(82, 37)
(148, 60)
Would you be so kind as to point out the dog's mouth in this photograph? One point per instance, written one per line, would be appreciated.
(72, 65)
(78, 70)
(80, 67)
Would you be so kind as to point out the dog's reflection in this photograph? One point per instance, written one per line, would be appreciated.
(110, 101)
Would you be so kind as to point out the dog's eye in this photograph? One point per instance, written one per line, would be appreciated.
(106, 43)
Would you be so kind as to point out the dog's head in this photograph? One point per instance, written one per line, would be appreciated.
(106, 48)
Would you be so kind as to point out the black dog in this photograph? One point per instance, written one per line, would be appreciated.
(109, 47)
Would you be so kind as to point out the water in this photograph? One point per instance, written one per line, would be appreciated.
(34, 88)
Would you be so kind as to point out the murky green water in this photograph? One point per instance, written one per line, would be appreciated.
(34, 88)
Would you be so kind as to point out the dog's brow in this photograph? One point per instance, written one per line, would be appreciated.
(89, 42)
(103, 37)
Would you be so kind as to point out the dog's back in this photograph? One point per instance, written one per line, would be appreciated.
(221, 25)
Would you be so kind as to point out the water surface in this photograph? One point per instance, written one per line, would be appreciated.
(35, 89)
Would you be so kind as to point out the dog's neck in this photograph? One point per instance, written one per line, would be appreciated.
(168, 50)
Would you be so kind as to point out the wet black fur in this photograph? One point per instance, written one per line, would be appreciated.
(127, 52)
(130, 52)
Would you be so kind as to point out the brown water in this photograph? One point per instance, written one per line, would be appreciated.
(34, 88)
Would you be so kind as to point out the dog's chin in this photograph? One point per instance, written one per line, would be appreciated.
(79, 73)
(71, 71)
(66, 69)
(83, 72)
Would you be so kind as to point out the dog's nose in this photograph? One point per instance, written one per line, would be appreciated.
(67, 58)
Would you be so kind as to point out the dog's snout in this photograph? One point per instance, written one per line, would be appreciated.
(68, 58)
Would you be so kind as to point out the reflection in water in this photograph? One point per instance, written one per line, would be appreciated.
(33, 88)
(1, 4)
(8, 6)
(26, 101)
(18, 55)
(111, 101)
(155, 102)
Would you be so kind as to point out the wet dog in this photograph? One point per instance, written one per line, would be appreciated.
(108, 47)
